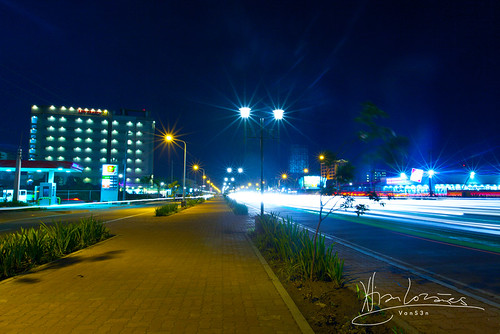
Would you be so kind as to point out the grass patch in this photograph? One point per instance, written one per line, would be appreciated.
(286, 241)
(166, 209)
(238, 208)
(22, 250)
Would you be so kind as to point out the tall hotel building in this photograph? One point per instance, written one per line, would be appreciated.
(93, 137)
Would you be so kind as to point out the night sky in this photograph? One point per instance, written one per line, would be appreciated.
(433, 66)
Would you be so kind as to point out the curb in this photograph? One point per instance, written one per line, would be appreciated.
(297, 315)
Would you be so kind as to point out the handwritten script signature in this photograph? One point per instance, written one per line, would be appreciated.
(373, 300)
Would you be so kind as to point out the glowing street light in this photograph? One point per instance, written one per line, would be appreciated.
(196, 168)
(306, 170)
(170, 139)
(278, 115)
(229, 170)
(240, 170)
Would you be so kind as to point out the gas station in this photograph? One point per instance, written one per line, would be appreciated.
(45, 193)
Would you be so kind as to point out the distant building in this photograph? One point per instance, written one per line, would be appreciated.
(376, 175)
(329, 172)
(92, 137)
(299, 159)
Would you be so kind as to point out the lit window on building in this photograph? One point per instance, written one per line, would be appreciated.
(129, 142)
(138, 133)
(114, 132)
(61, 139)
(89, 130)
(87, 180)
(139, 124)
(88, 149)
(77, 149)
(114, 141)
(51, 118)
(129, 169)
(87, 159)
(138, 152)
(79, 120)
(88, 169)
(129, 160)
(78, 130)
(61, 149)
(89, 121)
(138, 161)
(138, 142)
(138, 170)
(78, 139)
(129, 151)
(49, 158)
(49, 148)
(128, 179)
(51, 128)
(115, 123)
(105, 122)
(60, 158)
(104, 141)
(34, 119)
(71, 108)
(63, 108)
(62, 129)
(129, 123)
(104, 132)
(50, 138)
(114, 151)
(88, 140)
(137, 179)
(34, 107)
(77, 159)
(102, 160)
(62, 119)
(103, 150)
(52, 108)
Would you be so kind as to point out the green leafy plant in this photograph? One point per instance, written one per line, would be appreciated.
(238, 208)
(21, 250)
(166, 209)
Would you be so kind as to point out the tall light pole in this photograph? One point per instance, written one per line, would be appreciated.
(430, 173)
(196, 168)
(169, 138)
(278, 115)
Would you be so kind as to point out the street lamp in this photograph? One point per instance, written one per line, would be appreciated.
(196, 168)
(430, 173)
(278, 115)
(170, 139)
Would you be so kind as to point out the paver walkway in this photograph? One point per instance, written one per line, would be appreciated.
(192, 272)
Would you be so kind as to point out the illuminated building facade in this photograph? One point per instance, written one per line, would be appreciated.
(93, 137)
(299, 159)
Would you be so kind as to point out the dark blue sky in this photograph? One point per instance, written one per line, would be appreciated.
(431, 65)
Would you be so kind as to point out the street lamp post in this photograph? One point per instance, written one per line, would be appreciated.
(169, 138)
(278, 115)
(196, 168)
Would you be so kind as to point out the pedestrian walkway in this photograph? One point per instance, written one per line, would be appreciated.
(192, 272)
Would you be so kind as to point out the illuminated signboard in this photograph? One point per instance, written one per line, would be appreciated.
(109, 176)
(92, 111)
(312, 182)
(416, 175)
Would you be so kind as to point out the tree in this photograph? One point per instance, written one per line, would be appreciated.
(383, 143)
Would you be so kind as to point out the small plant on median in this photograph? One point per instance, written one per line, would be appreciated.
(291, 244)
(166, 209)
(27, 248)
(194, 201)
(238, 208)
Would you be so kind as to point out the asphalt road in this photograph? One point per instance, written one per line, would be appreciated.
(454, 242)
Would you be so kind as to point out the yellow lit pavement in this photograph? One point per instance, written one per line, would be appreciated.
(192, 272)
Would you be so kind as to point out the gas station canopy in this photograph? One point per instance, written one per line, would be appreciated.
(41, 166)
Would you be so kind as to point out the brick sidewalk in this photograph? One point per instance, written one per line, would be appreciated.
(192, 272)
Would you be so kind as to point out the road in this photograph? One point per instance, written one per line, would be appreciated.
(456, 242)
(11, 220)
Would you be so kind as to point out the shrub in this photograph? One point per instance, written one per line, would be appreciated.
(26, 248)
(166, 209)
(292, 244)
(194, 201)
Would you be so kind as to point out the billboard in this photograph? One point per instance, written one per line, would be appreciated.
(416, 175)
(312, 182)
(110, 177)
